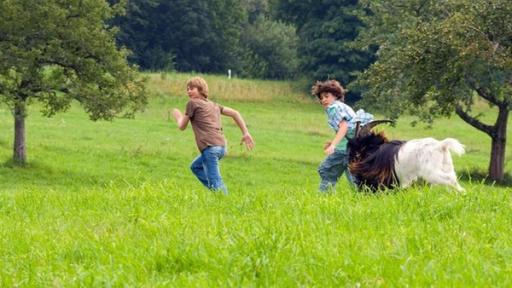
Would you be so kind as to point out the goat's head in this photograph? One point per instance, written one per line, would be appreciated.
(366, 141)
(360, 147)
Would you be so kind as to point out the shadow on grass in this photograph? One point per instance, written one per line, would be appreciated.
(476, 175)
(40, 175)
(383, 191)
(123, 172)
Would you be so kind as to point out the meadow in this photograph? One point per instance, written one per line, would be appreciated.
(113, 204)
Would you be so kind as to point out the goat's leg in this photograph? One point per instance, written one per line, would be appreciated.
(459, 188)
(448, 179)
(455, 184)
(404, 183)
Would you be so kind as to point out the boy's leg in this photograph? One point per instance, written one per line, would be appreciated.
(197, 168)
(330, 170)
(211, 157)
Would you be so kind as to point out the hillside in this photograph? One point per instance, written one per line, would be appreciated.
(115, 204)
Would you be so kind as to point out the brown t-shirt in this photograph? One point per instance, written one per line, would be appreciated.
(206, 123)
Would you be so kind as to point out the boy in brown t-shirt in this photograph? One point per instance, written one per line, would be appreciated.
(204, 115)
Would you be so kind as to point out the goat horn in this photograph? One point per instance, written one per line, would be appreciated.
(365, 130)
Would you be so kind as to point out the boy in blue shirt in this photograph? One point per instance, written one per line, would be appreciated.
(340, 118)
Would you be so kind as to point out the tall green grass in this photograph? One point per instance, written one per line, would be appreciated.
(106, 204)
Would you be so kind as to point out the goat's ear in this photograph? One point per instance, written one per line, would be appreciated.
(365, 131)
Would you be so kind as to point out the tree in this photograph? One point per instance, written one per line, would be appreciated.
(257, 9)
(54, 52)
(200, 36)
(268, 48)
(437, 57)
(145, 31)
(326, 29)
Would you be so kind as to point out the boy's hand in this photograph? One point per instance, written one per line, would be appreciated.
(181, 120)
(327, 144)
(176, 114)
(247, 140)
(330, 149)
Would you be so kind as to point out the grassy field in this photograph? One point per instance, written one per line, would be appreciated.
(105, 204)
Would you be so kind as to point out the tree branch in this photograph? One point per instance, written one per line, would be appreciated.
(27, 84)
(488, 96)
(484, 94)
(474, 122)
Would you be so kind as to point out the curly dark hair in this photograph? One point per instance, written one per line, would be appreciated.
(330, 86)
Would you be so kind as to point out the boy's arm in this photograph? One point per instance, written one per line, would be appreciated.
(246, 137)
(181, 120)
(342, 131)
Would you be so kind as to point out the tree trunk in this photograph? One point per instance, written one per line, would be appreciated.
(19, 155)
(499, 140)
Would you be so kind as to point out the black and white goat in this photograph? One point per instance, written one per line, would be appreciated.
(377, 163)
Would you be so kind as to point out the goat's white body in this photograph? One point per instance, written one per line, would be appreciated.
(428, 159)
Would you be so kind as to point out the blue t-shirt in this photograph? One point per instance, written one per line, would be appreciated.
(337, 112)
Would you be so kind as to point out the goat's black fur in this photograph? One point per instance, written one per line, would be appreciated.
(372, 159)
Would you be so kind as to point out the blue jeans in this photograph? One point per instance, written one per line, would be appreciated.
(331, 169)
(206, 168)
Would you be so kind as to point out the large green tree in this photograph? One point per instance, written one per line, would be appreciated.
(268, 47)
(145, 31)
(270, 50)
(326, 30)
(54, 52)
(439, 57)
(200, 35)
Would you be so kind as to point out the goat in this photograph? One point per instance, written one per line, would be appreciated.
(377, 163)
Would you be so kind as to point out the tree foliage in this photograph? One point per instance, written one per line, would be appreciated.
(326, 30)
(200, 36)
(145, 32)
(54, 52)
(437, 57)
(209, 36)
(270, 50)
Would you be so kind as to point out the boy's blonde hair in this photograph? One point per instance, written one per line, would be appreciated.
(200, 84)
(329, 86)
